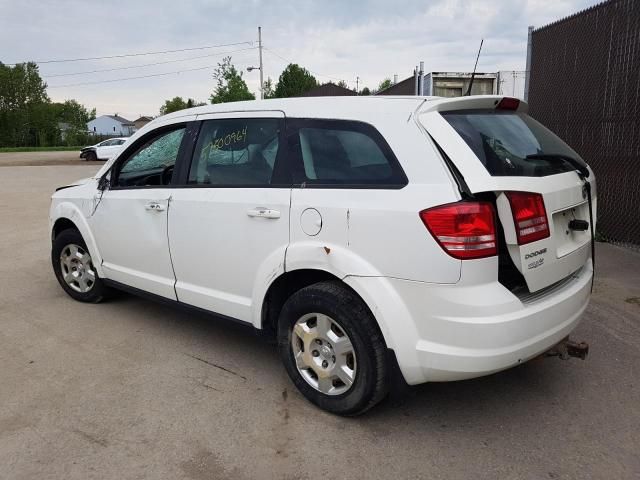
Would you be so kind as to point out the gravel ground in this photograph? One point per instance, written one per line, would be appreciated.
(15, 159)
(132, 389)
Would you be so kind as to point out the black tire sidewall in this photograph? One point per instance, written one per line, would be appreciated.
(91, 157)
(353, 316)
(64, 238)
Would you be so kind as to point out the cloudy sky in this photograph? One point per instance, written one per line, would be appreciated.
(336, 40)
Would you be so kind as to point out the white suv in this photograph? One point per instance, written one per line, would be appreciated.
(448, 237)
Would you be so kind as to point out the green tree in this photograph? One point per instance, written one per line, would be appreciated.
(365, 91)
(173, 105)
(230, 86)
(73, 113)
(28, 118)
(294, 81)
(268, 88)
(75, 116)
(384, 84)
(178, 103)
(343, 84)
(23, 94)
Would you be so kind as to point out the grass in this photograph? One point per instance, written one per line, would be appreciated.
(38, 149)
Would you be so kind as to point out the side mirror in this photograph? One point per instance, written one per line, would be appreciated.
(104, 183)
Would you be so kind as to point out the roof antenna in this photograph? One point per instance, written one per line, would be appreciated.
(474, 70)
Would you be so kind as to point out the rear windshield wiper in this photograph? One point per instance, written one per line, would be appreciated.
(576, 163)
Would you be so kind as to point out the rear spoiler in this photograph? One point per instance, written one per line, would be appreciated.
(476, 102)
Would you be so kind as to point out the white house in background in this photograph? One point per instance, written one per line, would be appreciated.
(111, 125)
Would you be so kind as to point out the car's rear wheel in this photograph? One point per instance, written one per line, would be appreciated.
(332, 349)
(74, 269)
(91, 157)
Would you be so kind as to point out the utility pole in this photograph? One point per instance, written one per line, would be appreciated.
(250, 69)
(261, 69)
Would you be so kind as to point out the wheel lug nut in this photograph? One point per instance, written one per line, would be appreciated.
(318, 341)
(325, 364)
(333, 359)
(315, 353)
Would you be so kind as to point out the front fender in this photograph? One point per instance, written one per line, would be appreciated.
(72, 212)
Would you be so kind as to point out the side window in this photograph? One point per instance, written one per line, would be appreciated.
(336, 152)
(234, 152)
(152, 163)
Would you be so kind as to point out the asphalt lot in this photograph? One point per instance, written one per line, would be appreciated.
(130, 389)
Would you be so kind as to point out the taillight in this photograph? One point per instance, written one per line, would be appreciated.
(529, 216)
(508, 103)
(464, 230)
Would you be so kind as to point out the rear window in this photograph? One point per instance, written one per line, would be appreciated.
(503, 141)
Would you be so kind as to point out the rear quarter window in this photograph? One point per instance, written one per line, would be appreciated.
(343, 153)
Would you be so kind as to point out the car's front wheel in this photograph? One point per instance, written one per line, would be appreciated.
(332, 349)
(91, 157)
(74, 269)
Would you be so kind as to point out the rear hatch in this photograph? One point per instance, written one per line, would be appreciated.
(495, 148)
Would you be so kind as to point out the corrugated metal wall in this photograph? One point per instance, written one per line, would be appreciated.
(585, 86)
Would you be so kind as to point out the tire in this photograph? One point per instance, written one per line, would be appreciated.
(88, 286)
(348, 315)
(91, 157)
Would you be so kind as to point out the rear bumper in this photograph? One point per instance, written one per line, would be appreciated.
(455, 332)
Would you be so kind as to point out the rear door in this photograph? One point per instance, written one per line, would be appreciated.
(493, 150)
(229, 220)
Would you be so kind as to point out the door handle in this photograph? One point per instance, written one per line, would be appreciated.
(263, 212)
(155, 206)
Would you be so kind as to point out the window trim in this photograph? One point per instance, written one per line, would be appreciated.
(280, 177)
(297, 165)
(140, 143)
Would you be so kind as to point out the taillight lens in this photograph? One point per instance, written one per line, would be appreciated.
(464, 230)
(529, 216)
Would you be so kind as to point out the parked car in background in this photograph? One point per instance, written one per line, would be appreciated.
(430, 238)
(103, 150)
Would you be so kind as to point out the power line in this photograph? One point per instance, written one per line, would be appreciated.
(149, 64)
(137, 54)
(311, 71)
(132, 78)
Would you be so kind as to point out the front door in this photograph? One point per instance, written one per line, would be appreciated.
(130, 219)
(229, 222)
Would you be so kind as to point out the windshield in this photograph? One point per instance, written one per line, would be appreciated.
(503, 141)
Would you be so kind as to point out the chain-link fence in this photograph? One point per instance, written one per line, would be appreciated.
(585, 86)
